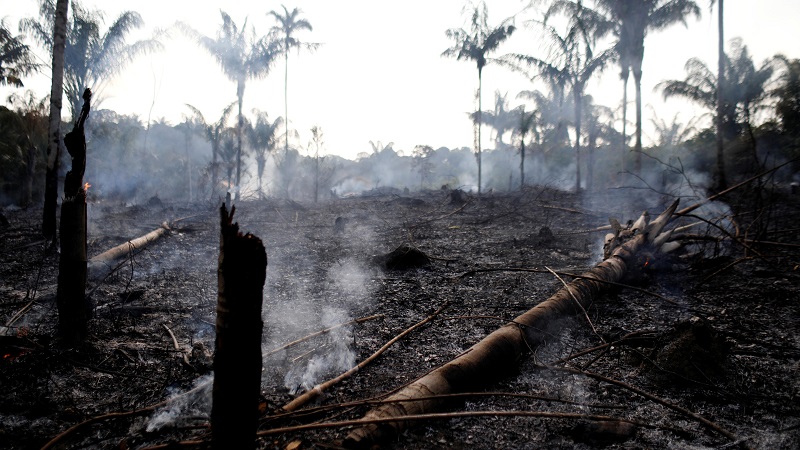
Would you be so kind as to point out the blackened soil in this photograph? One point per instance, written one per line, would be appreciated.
(721, 339)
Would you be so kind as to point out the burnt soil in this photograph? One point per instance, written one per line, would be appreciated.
(722, 339)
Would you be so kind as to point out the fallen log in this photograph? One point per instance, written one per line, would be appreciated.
(499, 352)
(105, 261)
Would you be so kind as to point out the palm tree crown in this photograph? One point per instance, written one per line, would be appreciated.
(263, 137)
(91, 58)
(16, 60)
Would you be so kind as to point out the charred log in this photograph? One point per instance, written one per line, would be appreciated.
(500, 352)
(104, 260)
(73, 308)
(237, 357)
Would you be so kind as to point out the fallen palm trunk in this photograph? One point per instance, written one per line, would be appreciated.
(237, 351)
(499, 352)
(105, 260)
(73, 309)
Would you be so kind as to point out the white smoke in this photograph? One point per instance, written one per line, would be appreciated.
(191, 403)
(346, 283)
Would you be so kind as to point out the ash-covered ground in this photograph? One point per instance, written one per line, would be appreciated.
(721, 339)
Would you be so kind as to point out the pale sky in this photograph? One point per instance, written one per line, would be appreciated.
(379, 75)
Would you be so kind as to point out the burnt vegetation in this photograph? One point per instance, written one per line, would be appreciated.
(572, 287)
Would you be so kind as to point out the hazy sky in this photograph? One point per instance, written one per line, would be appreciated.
(379, 75)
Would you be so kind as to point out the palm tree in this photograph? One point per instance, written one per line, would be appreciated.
(213, 134)
(554, 110)
(242, 56)
(32, 113)
(630, 21)
(16, 59)
(501, 119)
(573, 63)
(378, 147)
(720, 180)
(49, 223)
(229, 153)
(476, 45)
(526, 124)
(263, 137)
(787, 93)
(92, 59)
(744, 89)
(599, 120)
(288, 24)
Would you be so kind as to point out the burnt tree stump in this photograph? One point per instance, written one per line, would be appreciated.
(73, 308)
(237, 363)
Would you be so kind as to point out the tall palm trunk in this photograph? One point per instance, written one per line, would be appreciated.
(480, 119)
(26, 197)
(578, 107)
(214, 168)
(523, 132)
(316, 176)
(286, 96)
(720, 182)
(624, 147)
(54, 132)
(637, 78)
(239, 127)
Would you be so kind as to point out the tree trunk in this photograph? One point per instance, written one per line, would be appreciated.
(637, 78)
(286, 94)
(624, 153)
(498, 353)
(478, 143)
(522, 163)
(26, 196)
(590, 146)
(237, 357)
(578, 107)
(214, 173)
(54, 132)
(73, 309)
(720, 180)
(239, 127)
(316, 176)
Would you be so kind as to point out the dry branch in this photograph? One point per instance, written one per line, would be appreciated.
(431, 416)
(499, 352)
(697, 417)
(322, 332)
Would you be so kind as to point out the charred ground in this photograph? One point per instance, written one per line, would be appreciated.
(722, 342)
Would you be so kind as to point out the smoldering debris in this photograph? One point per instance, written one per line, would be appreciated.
(330, 357)
(403, 257)
(182, 404)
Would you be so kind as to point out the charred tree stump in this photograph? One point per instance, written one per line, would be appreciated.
(241, 273)
(73, 308)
